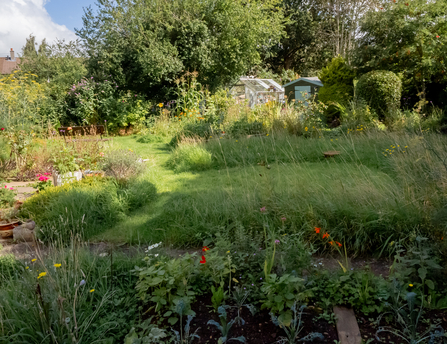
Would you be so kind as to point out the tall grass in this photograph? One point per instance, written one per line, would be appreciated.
(365, 197)
(69, 296)
(86, 207)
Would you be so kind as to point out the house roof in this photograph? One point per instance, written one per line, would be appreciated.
(8, 66)
(312, 80)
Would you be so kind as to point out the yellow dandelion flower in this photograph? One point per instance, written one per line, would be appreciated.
(267, 135)
(305, 128)
(228, 251)
(57, 265)
(41, 275)
(27, 268)
(236, 141)
(410, 285)
(160, 104)
(92, 290)
(332, 140)
(33, 260)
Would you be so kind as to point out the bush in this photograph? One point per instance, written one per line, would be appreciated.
(84, 208)
(338, 80)
(381, 90)
(122, 164)
(190, 157)
(192, 130)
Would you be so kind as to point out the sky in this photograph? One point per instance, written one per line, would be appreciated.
(48, 19)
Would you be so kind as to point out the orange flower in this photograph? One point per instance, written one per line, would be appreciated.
(331, 242)
(205, 248)
(325, 235)
(339, 245)
(317, 230)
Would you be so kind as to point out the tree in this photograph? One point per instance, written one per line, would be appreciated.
(58, 66)
(145, 45)
(302, 48)
(409, 37)
(338, 82)
(29, 49)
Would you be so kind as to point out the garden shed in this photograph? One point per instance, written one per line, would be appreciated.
(257, 91)
(297, 89)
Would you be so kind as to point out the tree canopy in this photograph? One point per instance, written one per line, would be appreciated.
(145, 45)
(408, 37)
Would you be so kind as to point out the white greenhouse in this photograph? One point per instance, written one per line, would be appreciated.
(257, 91)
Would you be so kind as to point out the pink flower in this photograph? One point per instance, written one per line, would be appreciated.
(263, 210)
(283, 219)
(11, 188)
(276, 241)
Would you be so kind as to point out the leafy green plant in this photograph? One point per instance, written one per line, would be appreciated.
(44, 181)
(145, 333)
(218, 296)
(65, 160)
(239, 297)
(7, 196)
(282, 292)
(296, 326)
(244, 127)
(408, 315)
(164, 284)
(225, 326)
(182, 308)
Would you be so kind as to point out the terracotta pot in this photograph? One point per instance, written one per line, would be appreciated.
(6, 230)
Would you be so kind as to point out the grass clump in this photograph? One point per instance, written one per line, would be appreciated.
(86, 207)
(190, 157)
(71, 295)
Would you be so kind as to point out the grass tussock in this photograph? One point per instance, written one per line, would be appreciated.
(86, 207)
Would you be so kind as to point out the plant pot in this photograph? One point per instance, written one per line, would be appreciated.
(7, 230)
(61, 179)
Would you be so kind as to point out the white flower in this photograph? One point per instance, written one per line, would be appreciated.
(156, 255)
(104, 254)
(153, 246)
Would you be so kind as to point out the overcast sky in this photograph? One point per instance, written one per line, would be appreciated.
(48, 19)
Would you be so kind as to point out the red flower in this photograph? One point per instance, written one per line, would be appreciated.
(437, 36)
(3, 129)
(69, 128)
(339, 245)
(331, 242)
(317, 230)
(203, 261)
(205, 248)
(325, 235)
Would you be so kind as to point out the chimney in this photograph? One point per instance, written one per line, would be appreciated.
(12, 54)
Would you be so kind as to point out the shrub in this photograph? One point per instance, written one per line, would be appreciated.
(381, 90)
(139, 193)
(190, 157)
(338, 80)
(122, 164)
